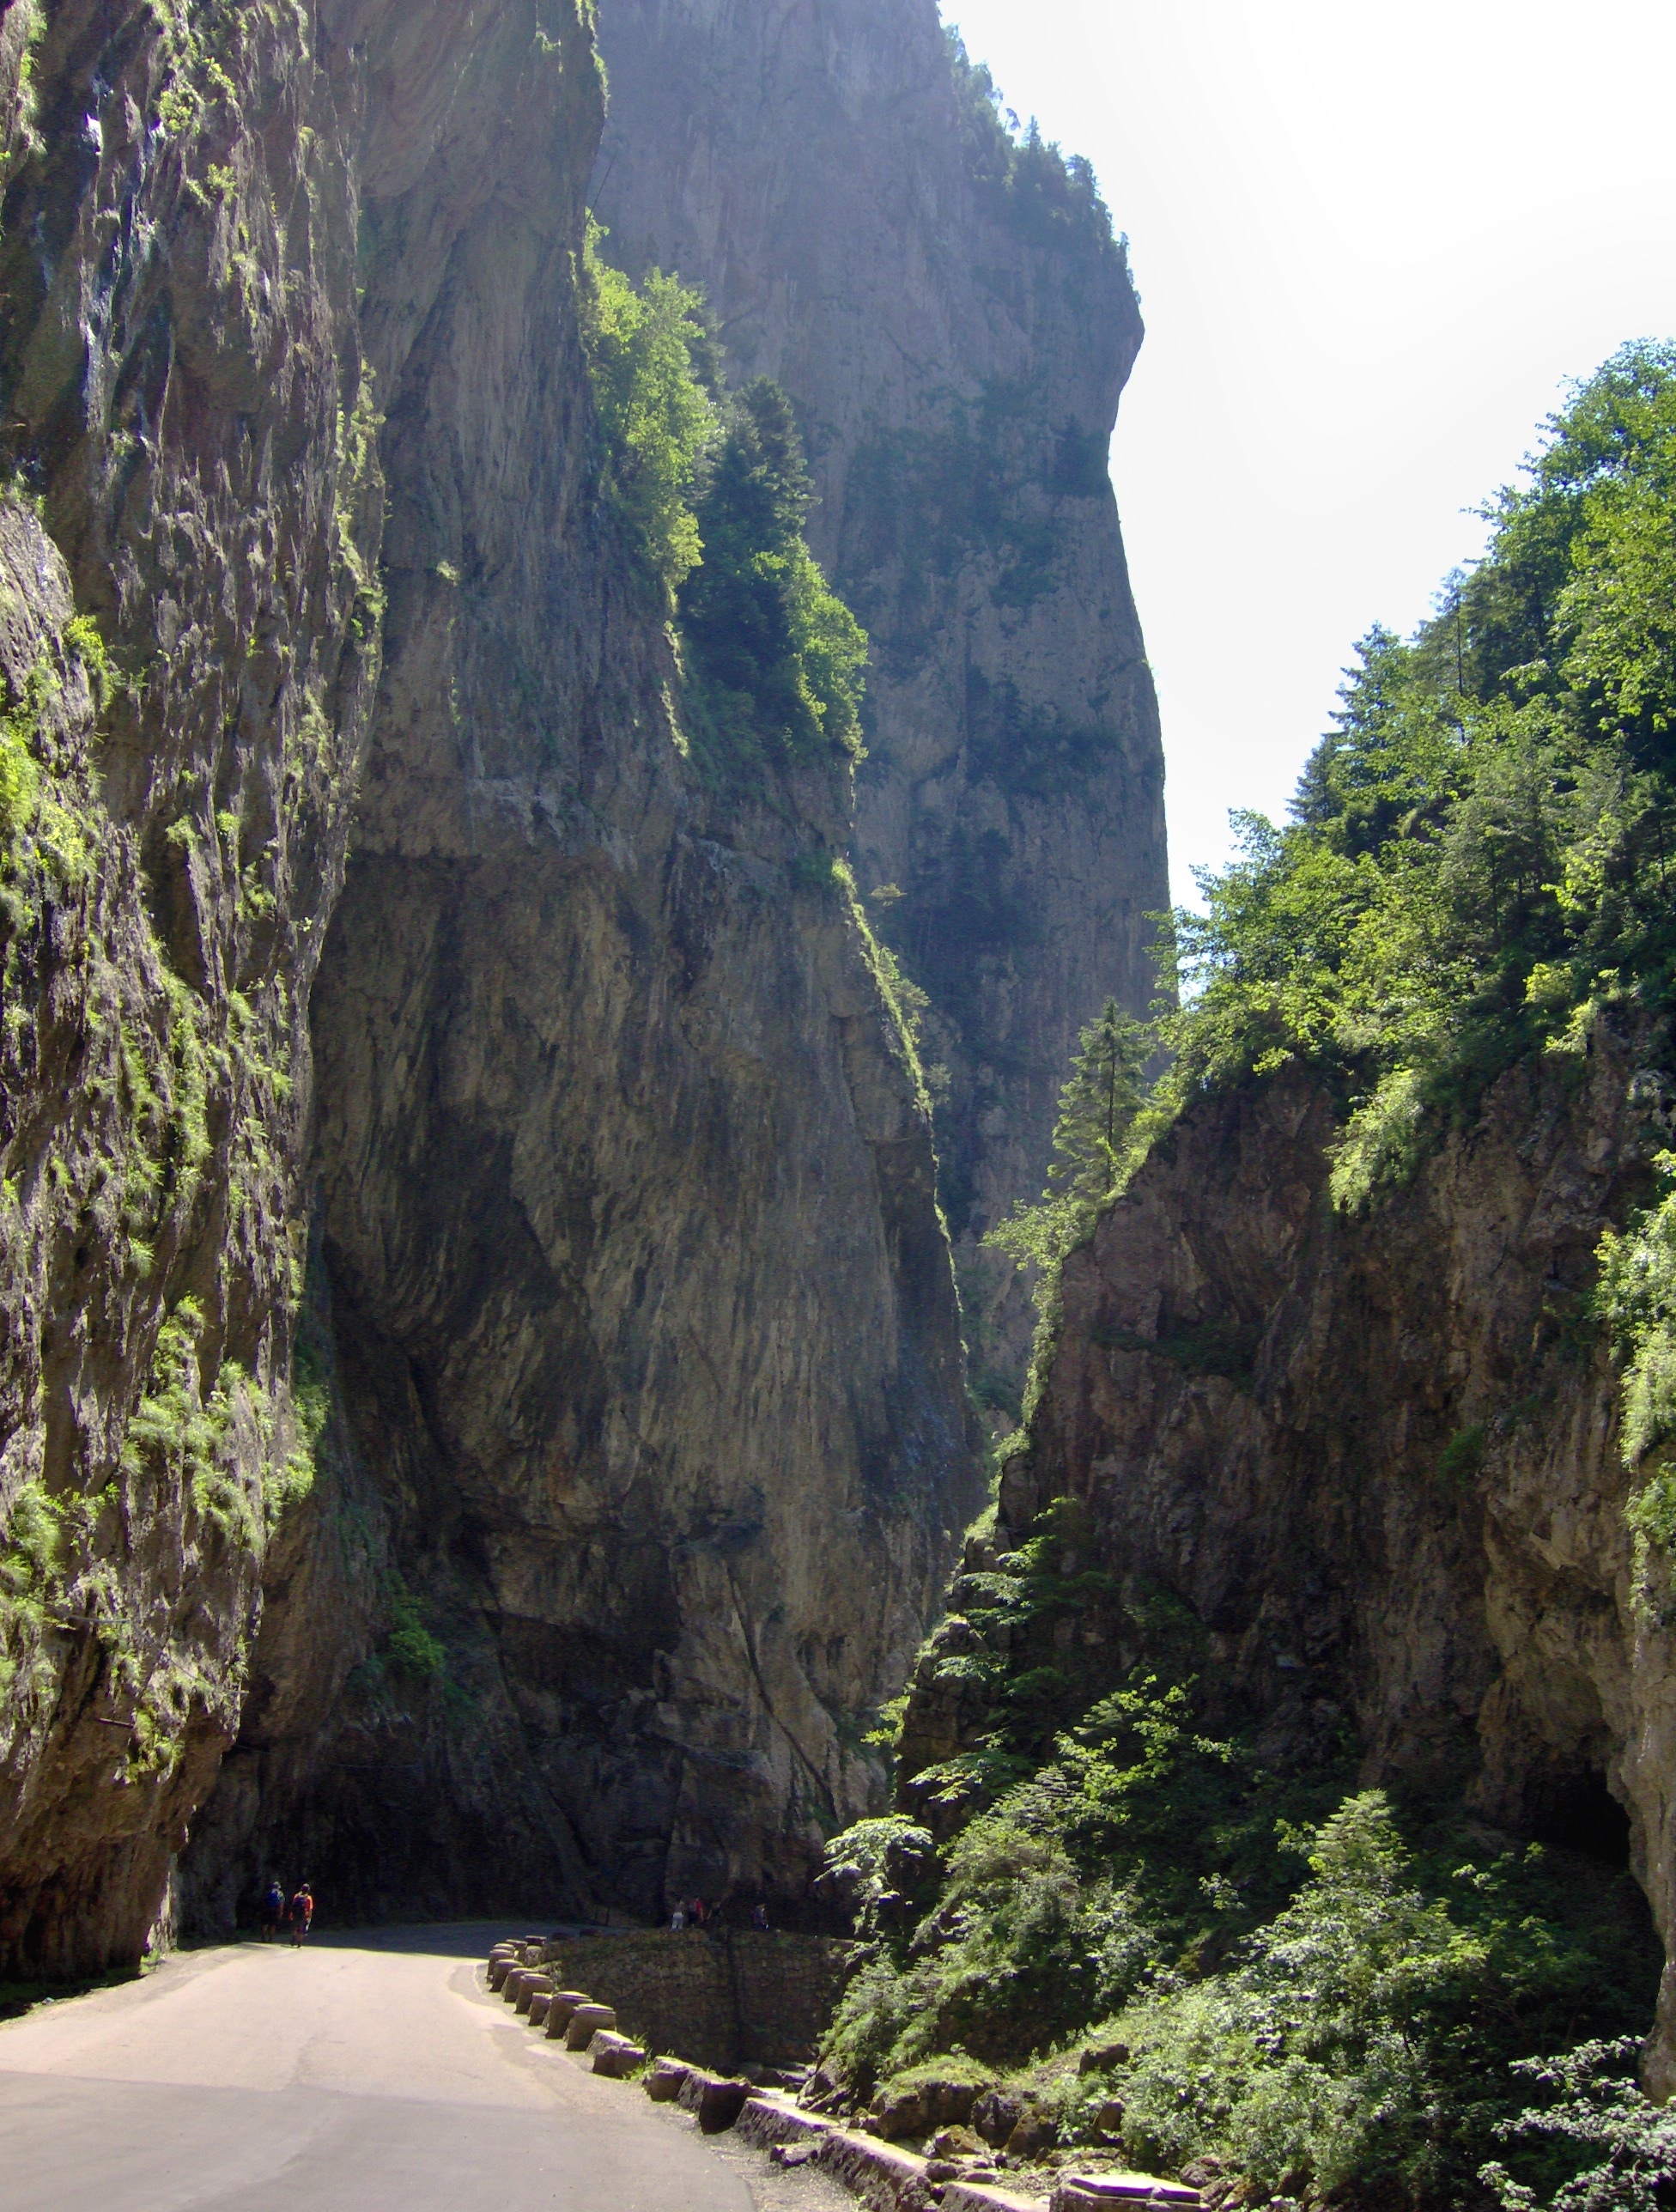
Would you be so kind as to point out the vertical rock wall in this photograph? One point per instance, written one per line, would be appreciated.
(189, 635)
(641, 1317)
(956, 328)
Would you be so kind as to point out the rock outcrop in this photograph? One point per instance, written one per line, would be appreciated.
(627, 1446)
(955, 322)
(1376, 1457)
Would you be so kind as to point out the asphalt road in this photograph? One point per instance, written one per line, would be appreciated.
(353, 2076)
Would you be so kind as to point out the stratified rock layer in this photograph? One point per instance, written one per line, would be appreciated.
(954, 325)
(1377, 1457)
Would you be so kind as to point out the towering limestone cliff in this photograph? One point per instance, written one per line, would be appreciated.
(556, 1107)
(955, 322)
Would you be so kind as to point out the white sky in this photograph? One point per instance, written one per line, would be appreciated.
(1371, 242)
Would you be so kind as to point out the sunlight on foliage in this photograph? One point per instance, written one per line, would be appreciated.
(658, 420)
(1478, 858)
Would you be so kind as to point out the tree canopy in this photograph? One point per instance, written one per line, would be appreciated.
(1477, 851)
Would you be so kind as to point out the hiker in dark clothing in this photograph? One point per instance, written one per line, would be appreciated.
(302, 1911)
(273, 1912)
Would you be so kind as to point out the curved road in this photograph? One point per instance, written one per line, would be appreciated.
(358, 2075)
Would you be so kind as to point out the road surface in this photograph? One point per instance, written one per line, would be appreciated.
(358, 2075)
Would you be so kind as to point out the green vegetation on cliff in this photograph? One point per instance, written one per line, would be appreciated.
(711, 489)
(1151, 1938)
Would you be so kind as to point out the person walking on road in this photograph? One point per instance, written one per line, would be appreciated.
(273, 1911)
(302, 1911)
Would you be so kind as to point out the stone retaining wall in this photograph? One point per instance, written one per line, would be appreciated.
(723, 1998)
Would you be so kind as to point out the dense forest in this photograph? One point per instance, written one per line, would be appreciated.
(1133, 1927)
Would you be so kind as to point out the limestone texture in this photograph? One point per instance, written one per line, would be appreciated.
(1378, 1456)
(478, 1337)
(955, 323)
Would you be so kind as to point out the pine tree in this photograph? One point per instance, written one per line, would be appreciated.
(1102, 1094)
(1101, 1099)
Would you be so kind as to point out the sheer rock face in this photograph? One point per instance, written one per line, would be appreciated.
(956, 355)
(178, 354)
(1473, 1611)
(628, 1294)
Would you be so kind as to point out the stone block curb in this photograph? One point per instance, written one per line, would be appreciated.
(981, 2196)
(617, 2057)
(882, 2176)
(767, 2120)
(1106, 2192)
(586, 2022)
(560, 2007)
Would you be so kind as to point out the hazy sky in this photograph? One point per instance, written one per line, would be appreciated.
(1372, 241)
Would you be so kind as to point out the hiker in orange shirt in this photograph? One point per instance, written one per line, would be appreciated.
(302, 1911)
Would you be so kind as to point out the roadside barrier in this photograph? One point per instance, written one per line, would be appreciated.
(883, 2176)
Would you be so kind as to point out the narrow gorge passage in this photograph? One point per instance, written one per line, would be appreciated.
(369, 2072)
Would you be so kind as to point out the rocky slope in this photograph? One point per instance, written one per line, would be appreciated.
(1375, 1458)
(631, 1349)
(955, 322)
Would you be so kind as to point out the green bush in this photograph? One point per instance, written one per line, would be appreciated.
(412, 1650)
(711, 491)
(657, 421)
(1606, 2147)
(775, 656)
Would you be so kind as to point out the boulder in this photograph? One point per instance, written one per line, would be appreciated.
(499, 1969)
(586, 2022)
(955, 2142)
(720, 2104)
(538, 2004)
(915, 2108)
(995, 2114)
(513, 1987)
(560, 2007)
(1033, 2133)
(1099, 2057)
(530, 1983)
(663, 2083)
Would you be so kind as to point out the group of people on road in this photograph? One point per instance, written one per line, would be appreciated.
(276, 1914)
(696, 1913)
